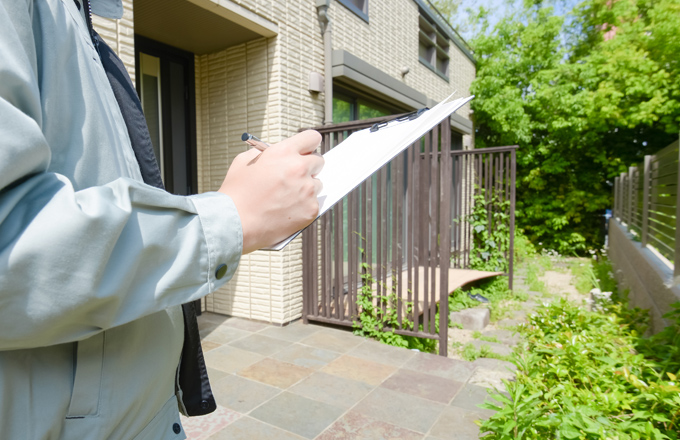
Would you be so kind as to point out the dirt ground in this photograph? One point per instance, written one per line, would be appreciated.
(562, 284)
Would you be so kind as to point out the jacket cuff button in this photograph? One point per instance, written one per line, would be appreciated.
(204, 404)
(221, 271)
(176, 428)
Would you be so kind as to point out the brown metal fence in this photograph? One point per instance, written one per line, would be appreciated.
(646, 200)
(404, 229)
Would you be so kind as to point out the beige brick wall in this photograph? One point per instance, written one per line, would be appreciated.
(260, 87)
(389, 41)
(120, 35)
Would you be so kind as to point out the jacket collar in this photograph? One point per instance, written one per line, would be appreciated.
(107, 8)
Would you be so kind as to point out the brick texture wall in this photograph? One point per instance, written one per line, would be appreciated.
(120, 35)
(389, 41)
(260, 87)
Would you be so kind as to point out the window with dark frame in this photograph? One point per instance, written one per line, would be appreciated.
(433, 47)
(359, 7)
(348, 107)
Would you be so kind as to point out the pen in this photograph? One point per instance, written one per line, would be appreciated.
(253, 141)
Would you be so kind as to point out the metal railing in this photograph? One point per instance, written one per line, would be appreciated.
(406, 226)
(647, 202)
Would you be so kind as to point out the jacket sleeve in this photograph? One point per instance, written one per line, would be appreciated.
(74, 263)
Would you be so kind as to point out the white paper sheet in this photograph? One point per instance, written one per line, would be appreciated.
(364, 152)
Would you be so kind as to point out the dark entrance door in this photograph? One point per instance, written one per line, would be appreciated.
(165, 84)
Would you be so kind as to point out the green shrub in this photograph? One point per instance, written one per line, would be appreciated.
(378, 317)
(589, 375)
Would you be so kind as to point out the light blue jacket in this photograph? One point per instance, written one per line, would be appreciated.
(93, 263)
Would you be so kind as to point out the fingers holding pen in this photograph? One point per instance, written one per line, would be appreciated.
(305, 142)
(316, 163)
(275, 188)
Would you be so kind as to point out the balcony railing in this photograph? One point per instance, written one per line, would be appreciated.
(408, 227)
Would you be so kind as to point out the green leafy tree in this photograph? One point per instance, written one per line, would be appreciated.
(585, 95)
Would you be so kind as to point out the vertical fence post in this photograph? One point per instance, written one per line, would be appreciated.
(644, 234)
(446, 172)
(615, 214)
(620, 194)
(511, 257)
(624, 204)
(676, 260)
(630, 197)
(622, 186)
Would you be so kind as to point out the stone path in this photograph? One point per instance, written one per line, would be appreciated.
(315, 382)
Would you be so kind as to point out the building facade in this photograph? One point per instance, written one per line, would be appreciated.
(209, 70)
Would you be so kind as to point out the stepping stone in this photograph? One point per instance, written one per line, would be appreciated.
(495, 365)
(504, 336)
(529, 304)
(497, 348)
(491, 379)
(471, 319)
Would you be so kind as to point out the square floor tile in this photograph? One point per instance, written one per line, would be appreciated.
(215, 375)
(456, 424)
(247, 428)
(293, 332)
(213, 318)
(471, 396)
(384, 354)
(230, 359)
(225, 335)
(206, 326)
(362, 370)
(276, 373)
(207, 345)
(241, 394)
(333, 390)
(263, 345)
(298, 414)
(305, 356)
(201, 428)
(400, 409)
(334, 340)
(245, 324)
(356, 426)
(453, 369)
(423, 385)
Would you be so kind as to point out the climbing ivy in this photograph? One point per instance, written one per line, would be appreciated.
(489, 221)
(378, 316)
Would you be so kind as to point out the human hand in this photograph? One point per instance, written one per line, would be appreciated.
(275, 191)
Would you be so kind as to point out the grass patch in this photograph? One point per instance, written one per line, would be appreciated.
(478, 335)
(471, 353)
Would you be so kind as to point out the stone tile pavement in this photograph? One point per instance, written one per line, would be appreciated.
(315, 382)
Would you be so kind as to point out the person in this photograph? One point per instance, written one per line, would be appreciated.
(95, 263)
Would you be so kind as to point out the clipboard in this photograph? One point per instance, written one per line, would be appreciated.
(365, 151)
